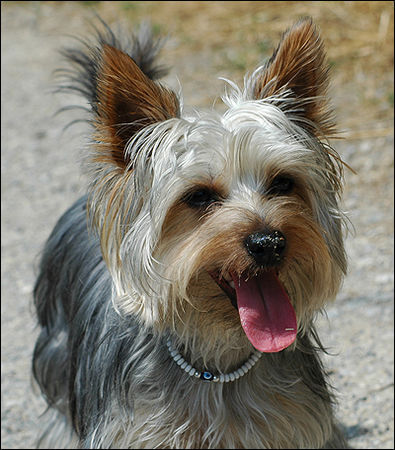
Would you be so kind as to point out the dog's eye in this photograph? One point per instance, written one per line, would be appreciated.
(281, 185)
(201, 198)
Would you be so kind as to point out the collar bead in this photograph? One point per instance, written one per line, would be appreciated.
(206, 375)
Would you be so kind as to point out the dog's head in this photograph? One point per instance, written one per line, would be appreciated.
(224, 229)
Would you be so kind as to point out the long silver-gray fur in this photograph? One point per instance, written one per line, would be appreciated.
(117, 386)
(107, 375)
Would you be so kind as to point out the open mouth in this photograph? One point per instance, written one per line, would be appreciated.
(266, 313)
(228, 286)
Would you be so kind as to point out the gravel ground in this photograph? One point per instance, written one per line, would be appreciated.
(41, 178)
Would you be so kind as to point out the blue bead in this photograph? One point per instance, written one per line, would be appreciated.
(207, 376)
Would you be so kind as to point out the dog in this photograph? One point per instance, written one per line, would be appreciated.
(176, 300)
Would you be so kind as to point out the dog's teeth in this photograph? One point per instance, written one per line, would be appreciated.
(232, 284)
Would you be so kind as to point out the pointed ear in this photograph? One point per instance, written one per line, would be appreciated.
(299, 67)
(127, 101)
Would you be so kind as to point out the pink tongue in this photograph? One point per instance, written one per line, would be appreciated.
(266, 314)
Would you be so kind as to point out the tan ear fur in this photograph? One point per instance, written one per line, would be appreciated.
(299, 65)
(127, 102)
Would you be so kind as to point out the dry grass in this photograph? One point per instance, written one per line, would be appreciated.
(359, 39)
(232, 37)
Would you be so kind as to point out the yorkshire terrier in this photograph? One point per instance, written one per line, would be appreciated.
(177, 298)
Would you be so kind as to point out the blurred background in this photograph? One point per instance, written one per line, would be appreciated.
(206, 40)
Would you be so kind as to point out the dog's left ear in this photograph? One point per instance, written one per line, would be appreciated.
(298, 74)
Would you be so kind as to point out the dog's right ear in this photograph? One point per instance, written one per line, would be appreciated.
(117, 80)
(127, 101)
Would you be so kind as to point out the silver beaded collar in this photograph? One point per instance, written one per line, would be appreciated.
(206, 375)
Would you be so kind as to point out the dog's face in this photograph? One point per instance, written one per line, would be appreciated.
(225, 229)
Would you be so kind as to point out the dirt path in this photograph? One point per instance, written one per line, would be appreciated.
(41, 177)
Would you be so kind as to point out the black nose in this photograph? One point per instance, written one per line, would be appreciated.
(267, 248)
